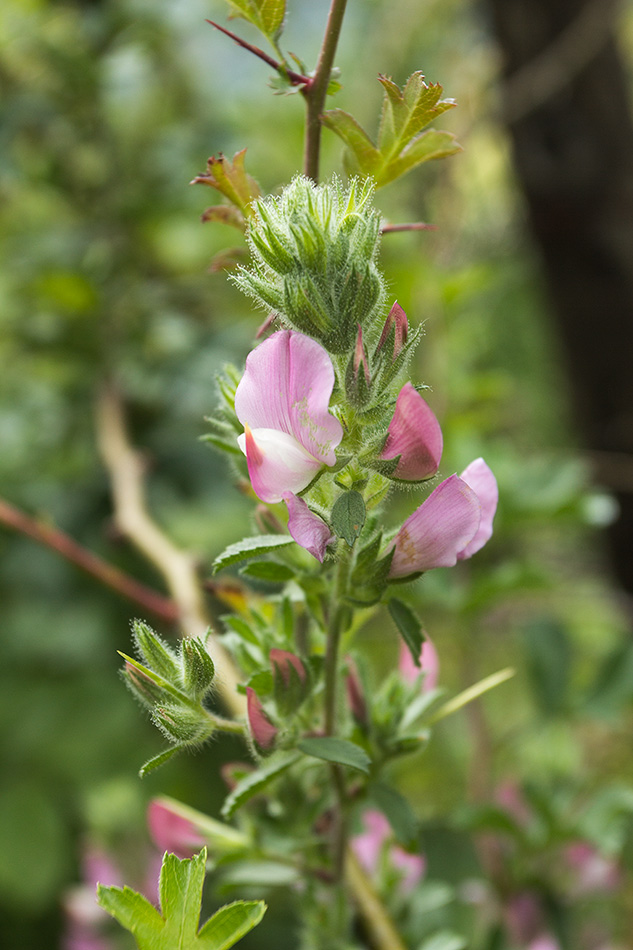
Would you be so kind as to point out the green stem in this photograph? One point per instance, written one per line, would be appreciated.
(227, 725)
(316, 92)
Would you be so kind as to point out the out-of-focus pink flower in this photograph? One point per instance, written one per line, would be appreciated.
(262, 729)
(308, 530)
(593, 872)
(429, 665)
(396, 319)
(453, 523)
(368, 847)
(285, 662)
(415, 435)
(282, 401)
(544, 942)
(524, 918)
(171, 831)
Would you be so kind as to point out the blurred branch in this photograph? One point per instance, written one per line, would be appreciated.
(413, 226)
(177, 567)
(555, 67)
(91, 563)
(380, 928)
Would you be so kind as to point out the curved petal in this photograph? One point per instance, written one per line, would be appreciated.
(480, 478)
(287, 386)
(263, 731)
(277, 463)
(438, 530)
(308, 530)
(415, 435)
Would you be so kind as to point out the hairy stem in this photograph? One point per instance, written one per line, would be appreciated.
(316, 92)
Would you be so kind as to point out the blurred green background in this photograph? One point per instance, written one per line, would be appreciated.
(109, 109)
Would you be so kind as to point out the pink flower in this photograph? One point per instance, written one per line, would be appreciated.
(415, 435)
(544, 942)
(369, 845)
(429, 665)
(282, 401)
(453, 523)
(171, 831)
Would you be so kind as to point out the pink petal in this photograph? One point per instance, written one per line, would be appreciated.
(415, 435)
(368, 845)
(479, 477)
(287, 386)
(430, 665)
(283, 660)
(171, 832)
(438, 530)
(277, 463)
(308, 530)
(262, 729)
(412, 866)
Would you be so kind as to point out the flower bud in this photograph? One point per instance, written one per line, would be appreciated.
(355, 695)
(263, 731)
(197, 668)
(396, 328)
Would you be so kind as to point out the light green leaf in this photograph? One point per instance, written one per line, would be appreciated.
(341, 751)
(176, 926)
(409, 626)
(231, 179)
(250, 547)
(266, 15)
(366, 155)
(473, 692)
(428, 146)
(445, 940)
(157, 760)
(257, 781)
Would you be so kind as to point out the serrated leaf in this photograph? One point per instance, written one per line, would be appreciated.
(409, 627)
(266, 15)
(427, 147)
(157, 760)
(176, 926)
(248, 548)
(366, 155)
(269, 571)
(397, 811)
(231, 179)
(257, 781)
(348, 516)
(232, 922)
(333, 749)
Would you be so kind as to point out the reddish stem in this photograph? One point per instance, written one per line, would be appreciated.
(413, 226)
(91, 563)
(297, 79)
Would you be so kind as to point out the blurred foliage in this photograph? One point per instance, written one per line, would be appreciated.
(108, 110)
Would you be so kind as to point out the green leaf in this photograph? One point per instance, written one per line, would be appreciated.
(176, 926)
(409, 626)
(429, 145)
(157, 760)
(266, 15)
(230, 179)
(341, 751)
(549, 656)
(473, 692)
(269, 571)
(367, 157)
(250, 547)
(445, 940)
(397, 811)
(257, 781)
(348, 516)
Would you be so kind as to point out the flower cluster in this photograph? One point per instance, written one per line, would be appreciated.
(290, 437)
